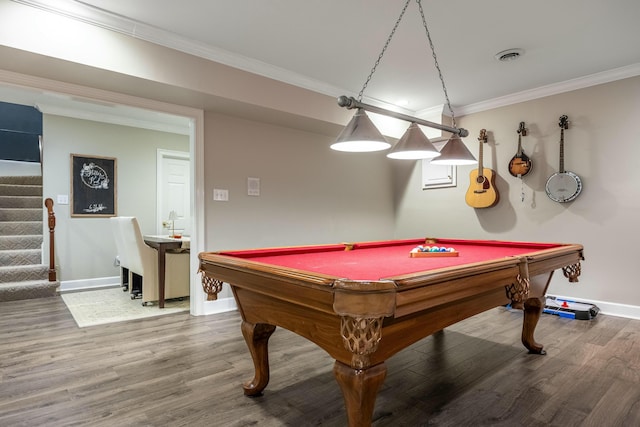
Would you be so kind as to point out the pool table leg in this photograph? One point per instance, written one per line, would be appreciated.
(359, 388)
(257, 338)
(532, 309)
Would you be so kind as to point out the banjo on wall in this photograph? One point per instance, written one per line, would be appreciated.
(563, 186)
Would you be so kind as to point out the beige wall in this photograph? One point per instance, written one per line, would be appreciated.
(309, 193)
(85, 248)
(599, 147)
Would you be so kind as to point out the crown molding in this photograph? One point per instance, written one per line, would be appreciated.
(120, 24)
(126, 117)
(91, 15)
(81, 102)
(123, 25)
(552, 89)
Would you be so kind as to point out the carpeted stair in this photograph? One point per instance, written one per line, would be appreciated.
(22, 274)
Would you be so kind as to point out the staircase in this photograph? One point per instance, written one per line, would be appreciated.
(22, 273)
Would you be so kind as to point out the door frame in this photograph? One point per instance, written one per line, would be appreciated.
(160, 156)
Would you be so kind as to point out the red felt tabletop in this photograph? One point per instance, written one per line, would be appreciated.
(378, 260)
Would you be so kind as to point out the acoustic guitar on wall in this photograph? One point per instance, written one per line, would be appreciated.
(520, 164)
(482, 190)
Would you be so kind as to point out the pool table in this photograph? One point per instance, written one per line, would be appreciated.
(364, 302)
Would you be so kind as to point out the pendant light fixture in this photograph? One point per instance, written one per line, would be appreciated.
(455, 153)
(414, 144)
(360, 135)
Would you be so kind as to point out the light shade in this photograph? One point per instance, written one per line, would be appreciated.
(360, 136)
(455, 153)
(414, 144)
(173, 215)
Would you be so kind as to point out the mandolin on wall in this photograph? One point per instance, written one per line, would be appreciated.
(520, 164)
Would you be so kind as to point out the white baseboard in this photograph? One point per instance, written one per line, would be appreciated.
(89, 284)
(609, 308)
(220, 306)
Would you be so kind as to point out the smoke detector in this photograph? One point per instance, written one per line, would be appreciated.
(509, 55)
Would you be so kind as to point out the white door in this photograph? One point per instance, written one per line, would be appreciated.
(173, 191)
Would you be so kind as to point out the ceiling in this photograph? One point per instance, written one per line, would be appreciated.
(330, 46)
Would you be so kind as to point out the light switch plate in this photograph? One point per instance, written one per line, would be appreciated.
(220, 195)
(253, 186)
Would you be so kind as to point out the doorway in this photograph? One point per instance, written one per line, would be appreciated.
(30, 90)
(174, 188)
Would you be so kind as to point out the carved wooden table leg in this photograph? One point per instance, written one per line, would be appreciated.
(361, 318)
(532, 310)
(257, 338)
(359, 388)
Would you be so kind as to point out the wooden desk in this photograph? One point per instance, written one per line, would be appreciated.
(162, 244)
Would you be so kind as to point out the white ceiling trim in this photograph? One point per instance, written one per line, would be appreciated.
(119, 117)
(100, 105)
(121, 24)
(552, 89)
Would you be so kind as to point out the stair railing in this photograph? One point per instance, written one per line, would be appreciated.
(52, 227)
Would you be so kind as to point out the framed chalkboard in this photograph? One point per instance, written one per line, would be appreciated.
(93, 186)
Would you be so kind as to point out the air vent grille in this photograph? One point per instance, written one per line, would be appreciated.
(509, 55)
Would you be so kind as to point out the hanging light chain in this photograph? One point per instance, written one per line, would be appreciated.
(435, 60)
(433, 53)
(373, 70)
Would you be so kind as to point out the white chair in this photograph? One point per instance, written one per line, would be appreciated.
(142, 261)
(123, 260)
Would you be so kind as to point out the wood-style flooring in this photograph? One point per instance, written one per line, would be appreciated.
(179, 370)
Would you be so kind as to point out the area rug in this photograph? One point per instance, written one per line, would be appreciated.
(90, 308)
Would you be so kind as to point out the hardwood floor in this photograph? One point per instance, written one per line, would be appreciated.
(178, 370)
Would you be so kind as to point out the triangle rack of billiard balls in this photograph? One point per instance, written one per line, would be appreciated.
(432, 251)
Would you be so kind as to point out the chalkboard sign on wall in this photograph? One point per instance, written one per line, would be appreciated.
(93, 186)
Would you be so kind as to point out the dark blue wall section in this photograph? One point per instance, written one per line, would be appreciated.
(24, 147)
(20, 129)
